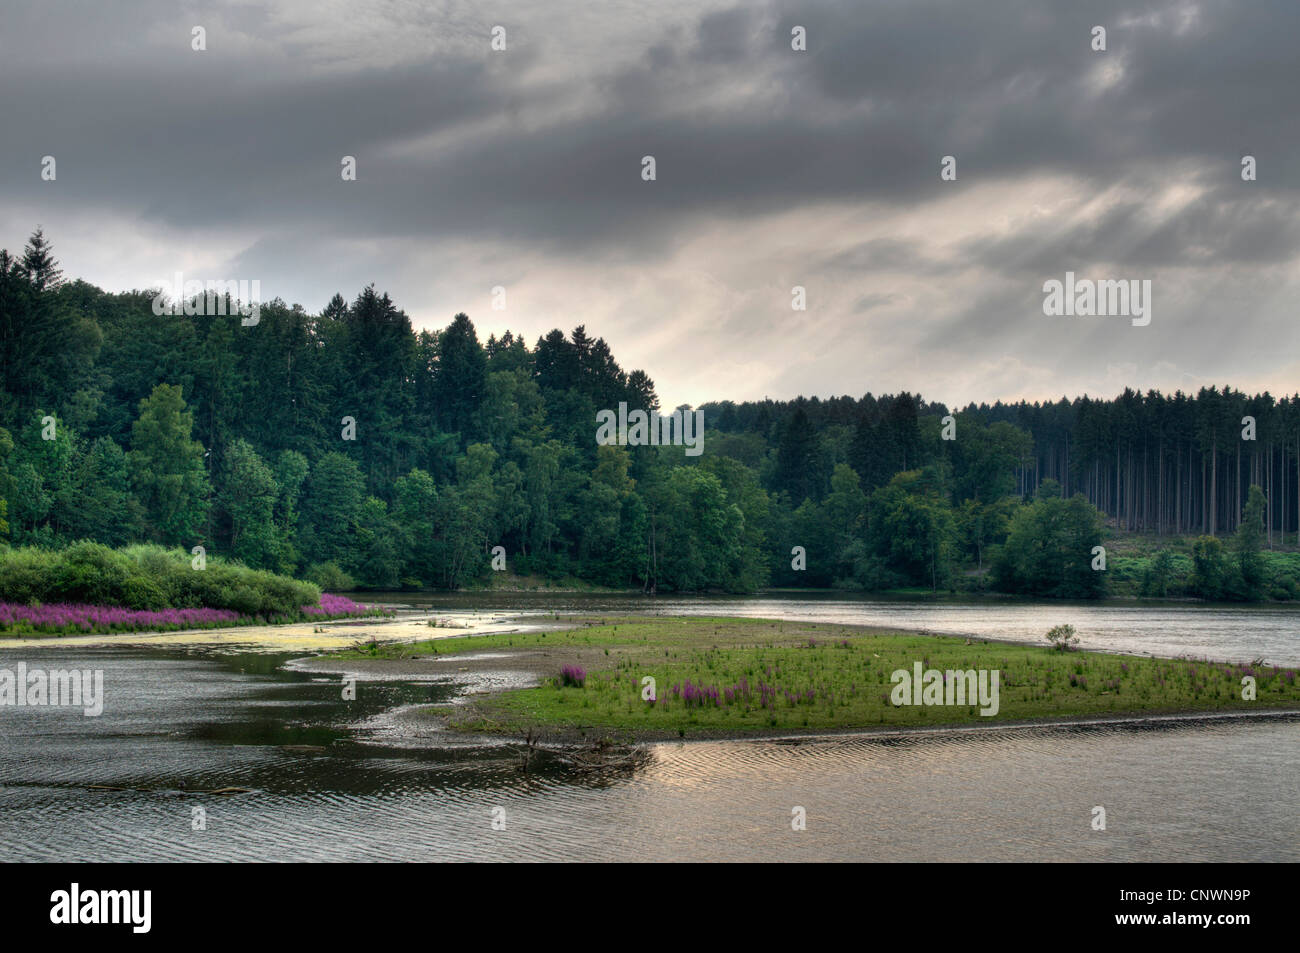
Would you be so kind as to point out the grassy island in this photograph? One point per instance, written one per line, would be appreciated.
(721, 676)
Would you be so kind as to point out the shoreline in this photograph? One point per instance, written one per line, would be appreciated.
(484, 675)
(551, 737)
(501, 686)
(884, 595)
(269, 637)
(295, 634)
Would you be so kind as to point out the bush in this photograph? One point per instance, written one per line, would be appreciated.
(142, 593)
(1062, 638)
(1213, 576)
(1158, 574)
(92, 573)
(25, 575)
(147, 577)
(245, 600)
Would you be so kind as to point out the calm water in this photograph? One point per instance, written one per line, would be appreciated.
(347, 781)
(1226, 633)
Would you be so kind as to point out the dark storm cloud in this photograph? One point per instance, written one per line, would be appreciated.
(885, 90)
(537, 151)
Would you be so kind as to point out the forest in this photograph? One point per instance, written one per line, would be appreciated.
(348, 449)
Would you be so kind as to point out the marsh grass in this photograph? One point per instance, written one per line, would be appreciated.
(744, 675)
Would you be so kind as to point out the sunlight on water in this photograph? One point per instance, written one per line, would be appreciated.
(1228, 633)
(123, 786)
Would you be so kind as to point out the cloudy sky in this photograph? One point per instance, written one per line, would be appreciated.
(775, 168)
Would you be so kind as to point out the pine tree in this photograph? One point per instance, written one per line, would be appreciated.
(38, 263)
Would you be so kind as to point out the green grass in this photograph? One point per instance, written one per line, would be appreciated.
(847, 669)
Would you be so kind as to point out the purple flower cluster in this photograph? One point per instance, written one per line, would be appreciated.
(697, 696)
(67, 618)
(795, 698)
(63, 617)
(573, 675)
(1241, 670)
(764, 695)
(334, 606)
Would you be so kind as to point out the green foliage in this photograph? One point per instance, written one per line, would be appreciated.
(330, 578)
(1062, 637)
(377, 556)
(982, 526)
(249, 501)
(1249, 545)
(1049, 550)
(985, 458)
(460, 381)
(698, 534)
(1158, 576)
(1212, 576)
(146, 576)
(166, 468)
(910, 530)
(336, 491)
(6, 448)
(196, 430)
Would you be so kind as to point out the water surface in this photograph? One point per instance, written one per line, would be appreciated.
(336, 780)
(1214, 631)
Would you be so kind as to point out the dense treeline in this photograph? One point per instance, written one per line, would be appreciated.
(345, 445)
(1159, 464)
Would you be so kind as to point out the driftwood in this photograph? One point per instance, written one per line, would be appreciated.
(600, 757)
(530, 748)
(223, 791)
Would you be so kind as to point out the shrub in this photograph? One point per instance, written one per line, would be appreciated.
(142, 593)
(245, 600)
(1062, 638)
(147, 577)
(92, 573)
(25, 575)
(1212, 575)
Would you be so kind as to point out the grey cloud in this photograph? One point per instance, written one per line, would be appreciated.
(532, 153)
(875, 300)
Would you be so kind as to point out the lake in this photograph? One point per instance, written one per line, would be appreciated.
(335, 780)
